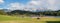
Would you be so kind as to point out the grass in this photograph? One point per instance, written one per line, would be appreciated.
(13, 19)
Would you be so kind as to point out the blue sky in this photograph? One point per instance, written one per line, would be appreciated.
(20, 1)
(30, 5)
(6, 2)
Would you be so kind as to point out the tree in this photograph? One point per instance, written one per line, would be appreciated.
(2, 12)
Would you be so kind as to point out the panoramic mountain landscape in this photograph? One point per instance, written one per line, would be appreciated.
(29, 11)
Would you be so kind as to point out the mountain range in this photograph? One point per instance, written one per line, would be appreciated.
(37, 10)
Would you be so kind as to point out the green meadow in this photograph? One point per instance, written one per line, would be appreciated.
(14, 19)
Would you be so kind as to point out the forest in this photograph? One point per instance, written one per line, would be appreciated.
(20, 12)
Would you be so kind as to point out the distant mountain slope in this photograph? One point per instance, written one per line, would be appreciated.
(8, 10)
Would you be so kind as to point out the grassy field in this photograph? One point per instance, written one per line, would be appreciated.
(13, 19)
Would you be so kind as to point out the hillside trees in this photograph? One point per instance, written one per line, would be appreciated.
(2, 12)
(28, 13)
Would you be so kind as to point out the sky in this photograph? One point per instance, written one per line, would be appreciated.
(30, 5)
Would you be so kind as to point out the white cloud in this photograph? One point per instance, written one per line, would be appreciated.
(53, 5)
(1, 1)
(16, 6)
(52, 2)
(34, 4)
(20, 6)
(46, 4)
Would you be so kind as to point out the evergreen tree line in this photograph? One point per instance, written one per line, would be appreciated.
(20, 12)
(46, 13)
